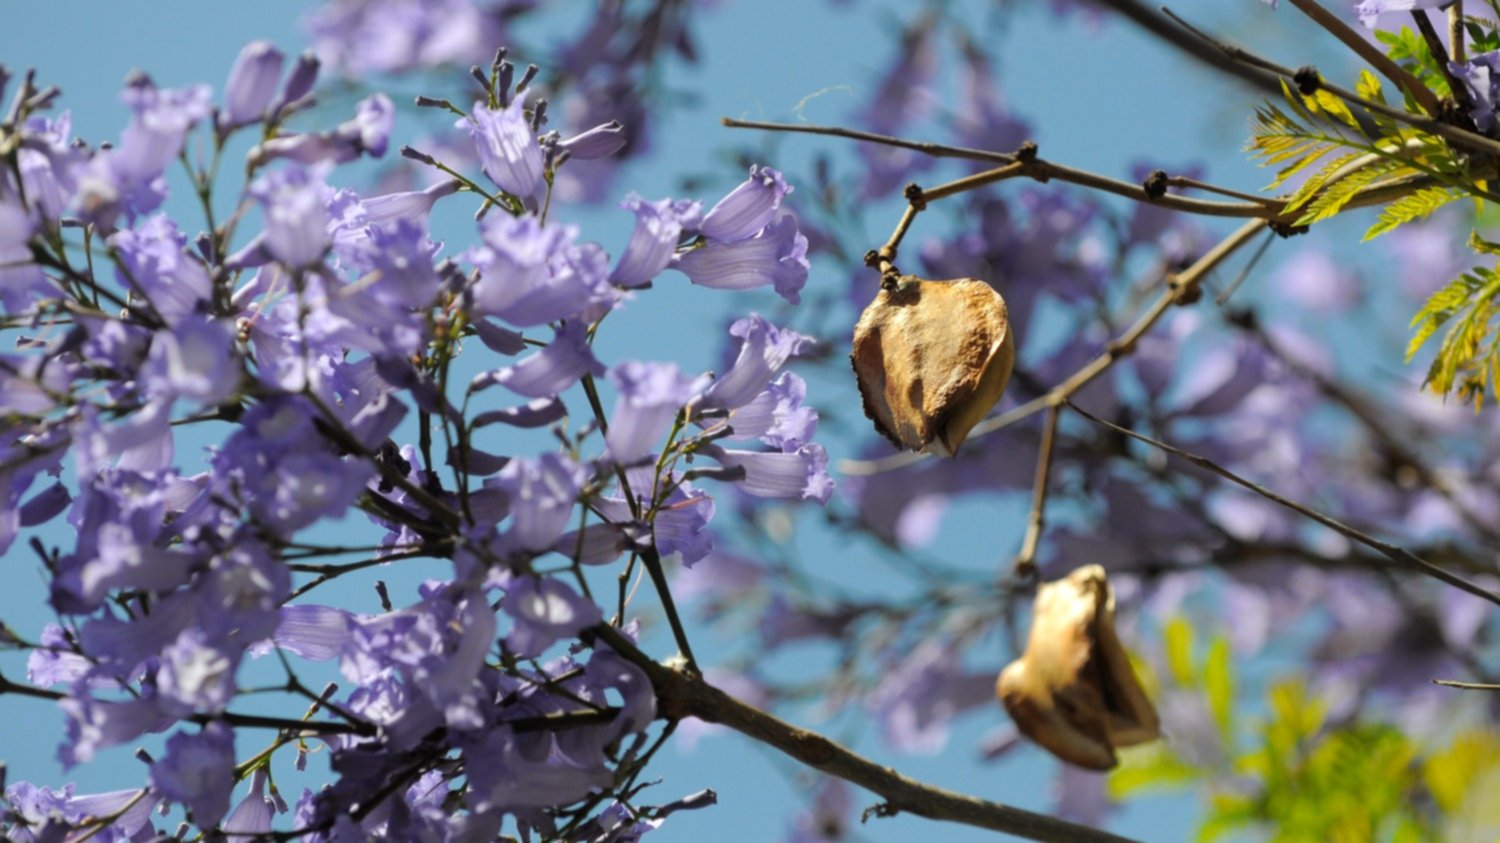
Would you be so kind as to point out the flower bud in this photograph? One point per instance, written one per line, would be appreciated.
(1074, 691)
(931, 359)
(252, 83)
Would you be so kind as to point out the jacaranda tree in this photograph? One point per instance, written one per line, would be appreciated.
(213, 423)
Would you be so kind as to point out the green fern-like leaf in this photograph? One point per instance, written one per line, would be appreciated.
(1467, 308)
(1414, 207)
(1338, 192)
(1483, 246)
(1439, 308)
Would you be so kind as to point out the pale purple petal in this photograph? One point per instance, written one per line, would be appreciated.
(748, 208)
(549, 371)
(252, 83)
(508, 149)
(658, 228)
(777, 256)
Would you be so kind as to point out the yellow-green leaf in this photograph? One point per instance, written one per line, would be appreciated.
(1177, 638)
(1218, 684)
(1413, 207)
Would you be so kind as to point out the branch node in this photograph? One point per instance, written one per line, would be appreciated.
(1308, 80)
(1026, 152)
(913, 194)
(1155, 185)
(1286, 229)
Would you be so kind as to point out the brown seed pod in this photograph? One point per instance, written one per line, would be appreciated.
(1073, 691)
(931, 359)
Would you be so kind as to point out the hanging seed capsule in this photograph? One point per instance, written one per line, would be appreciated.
(1074, 691)
(931, 359)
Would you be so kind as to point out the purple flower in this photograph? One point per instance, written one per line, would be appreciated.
(359, 37)
(242, 592)
(253, 814)
(542, 493)
(1481, 77)
(49, 165)
(507, 147)
(299, 83)
(154, 260)
(252, 83)
(197, 673)
(197, 772)
(802, 473)
(764, 349)
(777, 256)
(651, 395)
(531, 770)
(682, 518)
(42, 809)
(778, 416)
(368, 132)
(370, 129)
(450, 678)
(95, 724)
(412, 206)
(21, 281)
(748, 208)
(54, 663)
(549, 371)
(297, 220)
(530, 274)
(601, 141)
(544, 610)
(129, 177)
(658, 227)
(123, 559)
(313, 632)
(195, 360)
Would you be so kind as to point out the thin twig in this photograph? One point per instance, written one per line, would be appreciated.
(883, 259)
(1440, 55)
(1376, 423)
(1372, 54)
(1025, 562)
(1454, 134)
(306, 727)
(683, 694)
(1456, 30)
(1041, 170)
(1037, 169)
(1244, 273)
(1468, 686)
(1153, 22)
(1391, 551)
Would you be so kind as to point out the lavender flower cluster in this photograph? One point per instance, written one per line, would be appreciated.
(311, 326)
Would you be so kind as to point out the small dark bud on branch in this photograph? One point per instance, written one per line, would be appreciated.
(1155, 184)
(1307, 79)
(913, 194)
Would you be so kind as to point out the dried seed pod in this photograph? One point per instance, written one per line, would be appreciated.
(1073, 691)
(931, 359)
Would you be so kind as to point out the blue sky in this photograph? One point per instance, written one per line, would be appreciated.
(1099, 100)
